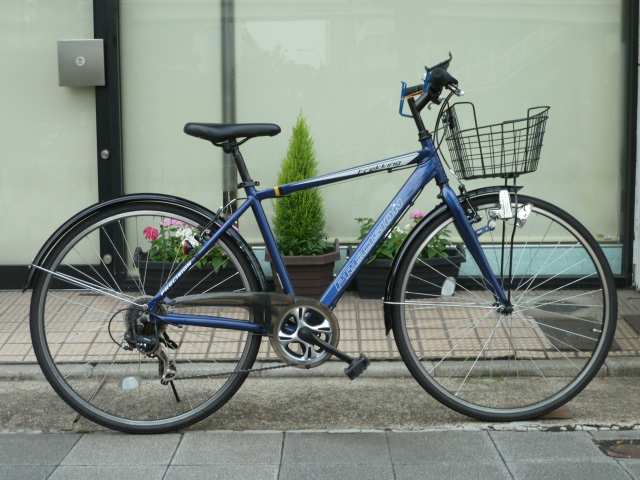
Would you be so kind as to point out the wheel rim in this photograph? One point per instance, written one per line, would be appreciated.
(486, 363)
(82, 342)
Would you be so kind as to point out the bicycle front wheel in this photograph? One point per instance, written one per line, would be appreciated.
(501, 365)
(99, 351)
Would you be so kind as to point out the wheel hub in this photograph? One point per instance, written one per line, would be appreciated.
(506, 309)
(141, 332)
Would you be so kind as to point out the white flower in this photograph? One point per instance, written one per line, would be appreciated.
(186, 234)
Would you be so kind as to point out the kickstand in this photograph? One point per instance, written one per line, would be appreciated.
(175, 392)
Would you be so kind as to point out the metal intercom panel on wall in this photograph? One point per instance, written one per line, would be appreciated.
(81, 63)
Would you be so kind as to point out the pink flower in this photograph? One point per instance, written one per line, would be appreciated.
(169, 222)
(151, 233)
(417, 215)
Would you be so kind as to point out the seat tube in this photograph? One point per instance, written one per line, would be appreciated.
(261, 218)
(470, 238)
(270, 242)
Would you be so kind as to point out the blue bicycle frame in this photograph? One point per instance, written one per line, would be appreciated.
(429, 167)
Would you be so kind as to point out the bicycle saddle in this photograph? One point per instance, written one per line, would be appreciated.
(220, 132)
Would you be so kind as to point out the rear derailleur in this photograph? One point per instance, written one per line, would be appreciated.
(150, 338)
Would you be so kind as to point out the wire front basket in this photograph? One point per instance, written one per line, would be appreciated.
(506, 149)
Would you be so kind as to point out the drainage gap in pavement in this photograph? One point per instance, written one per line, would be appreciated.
(620, 448)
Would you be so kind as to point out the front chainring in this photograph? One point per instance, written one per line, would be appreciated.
(296, 352)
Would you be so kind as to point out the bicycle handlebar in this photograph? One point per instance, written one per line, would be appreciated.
(413, 90)
(439, 79)
(436, 80)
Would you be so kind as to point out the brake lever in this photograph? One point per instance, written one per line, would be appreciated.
(455, 90)
(452, 88)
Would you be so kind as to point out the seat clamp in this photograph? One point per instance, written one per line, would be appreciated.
(250, 183)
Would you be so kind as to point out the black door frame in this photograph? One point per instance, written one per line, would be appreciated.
(630, 25)
(106, 23)
(109, 155)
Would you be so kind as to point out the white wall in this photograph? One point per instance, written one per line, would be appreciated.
(171, 73)
(47, 132)
(341, 63)
(338, 62)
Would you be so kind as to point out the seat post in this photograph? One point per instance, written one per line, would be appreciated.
(233, 148)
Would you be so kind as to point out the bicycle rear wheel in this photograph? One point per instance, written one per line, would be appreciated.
(84, 311)
(501, 366)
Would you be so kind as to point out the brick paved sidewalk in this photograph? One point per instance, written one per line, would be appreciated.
(361, 327)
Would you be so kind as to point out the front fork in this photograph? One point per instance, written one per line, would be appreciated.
(463, 221)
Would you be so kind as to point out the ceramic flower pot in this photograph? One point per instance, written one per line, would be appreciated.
(310, 275)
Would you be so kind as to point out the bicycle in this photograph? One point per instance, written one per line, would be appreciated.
(525, 330)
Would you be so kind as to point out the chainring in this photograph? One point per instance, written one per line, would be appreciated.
(296, 352)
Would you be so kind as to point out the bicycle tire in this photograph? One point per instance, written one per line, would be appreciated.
(507, 366)
(78, 323)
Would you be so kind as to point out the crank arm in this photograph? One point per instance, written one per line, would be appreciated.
(356, 365)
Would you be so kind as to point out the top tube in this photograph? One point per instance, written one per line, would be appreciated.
(389, 165)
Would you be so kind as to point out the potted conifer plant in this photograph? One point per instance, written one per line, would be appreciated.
(299, 220)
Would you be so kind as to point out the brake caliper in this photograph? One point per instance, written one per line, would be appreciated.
(505, 212)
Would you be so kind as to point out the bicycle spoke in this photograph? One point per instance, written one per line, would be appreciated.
(106, 355)
(493, 362)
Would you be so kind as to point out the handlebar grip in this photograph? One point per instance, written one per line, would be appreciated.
(439, 79)
(413, 90)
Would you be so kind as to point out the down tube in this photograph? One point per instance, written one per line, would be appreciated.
(398, 206)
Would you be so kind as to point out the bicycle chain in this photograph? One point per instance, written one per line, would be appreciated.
(235, 372)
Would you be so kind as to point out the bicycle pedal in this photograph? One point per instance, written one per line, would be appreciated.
(357, 367)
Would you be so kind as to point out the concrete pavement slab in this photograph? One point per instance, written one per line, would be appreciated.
(223, 472)
(574, 455)
(616, 435)
(632, 467)
(129, 450)
(446, 455)
(26, 472)
(442, 447)
(336, 449)
(343, 471)
(220, 448)
(35, 449)
(33, 456)
(449, 455)
(340, 456)
(451, 471)
(106, 472)
(548, 447)
(567, 470)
